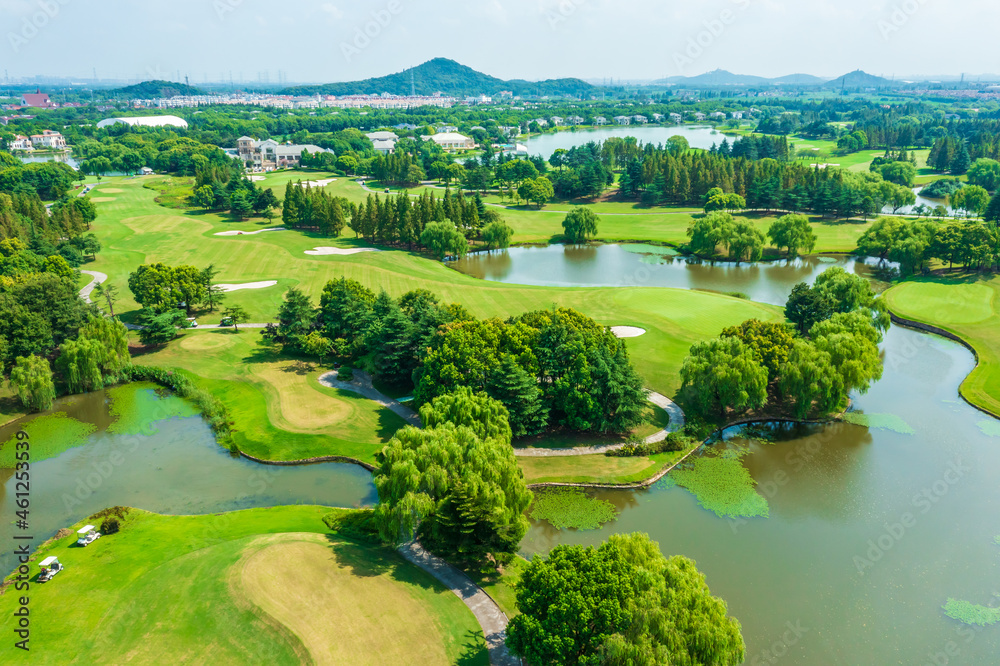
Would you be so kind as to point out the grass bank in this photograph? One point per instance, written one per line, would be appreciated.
(258, 586)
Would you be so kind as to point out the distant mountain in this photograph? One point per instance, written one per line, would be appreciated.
(799, 80)
(859, 79)
(449, 78)
(151, 89)
(721, 77)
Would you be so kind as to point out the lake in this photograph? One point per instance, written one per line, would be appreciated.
(174, 466)
(833, 558)
(698, 136)
(640, 265)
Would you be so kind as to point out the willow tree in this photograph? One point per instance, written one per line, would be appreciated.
(486, 417)
(620, 604)
(31, 380)
(464, 495)
(724, 374)
(112, 336)
(80, 364)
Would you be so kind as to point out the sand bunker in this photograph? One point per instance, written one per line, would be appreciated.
(248, 233)
(248, 285)
(627, 331)
(255, 178)
(319, 183)
(340, 250)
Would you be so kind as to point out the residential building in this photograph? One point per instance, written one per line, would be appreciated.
(676, 117)
(623, 120)
(698, 115)
(600, 120)
(575, 120)
(145, 121)
(657, 117)
(48, 139)
(405, 126)
(269, 154)
(717, 114)
(382, 135)
(442, 128)
(384, 146)
(737, 115)
(451, 141)
(557, 120)
(20, 143)
(37, 100)
(639, 119)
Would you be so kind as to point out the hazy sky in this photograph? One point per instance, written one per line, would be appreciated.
(314, 40)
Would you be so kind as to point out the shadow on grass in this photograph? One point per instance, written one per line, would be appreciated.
(474, 651)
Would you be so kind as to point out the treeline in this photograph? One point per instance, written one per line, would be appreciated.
(548, 368)
(129, 149)
(913, 244)
(313, 208)
(805, 372)
(49, 180)
(686, 179)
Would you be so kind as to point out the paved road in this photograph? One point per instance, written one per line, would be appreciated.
(490, 617)
(676, 423)
(363, 384)
(89, 287)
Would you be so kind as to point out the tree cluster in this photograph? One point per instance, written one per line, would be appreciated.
(840, 324)
(622, 603)
(455, 482)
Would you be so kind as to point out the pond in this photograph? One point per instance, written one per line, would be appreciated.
(870, 529)
(52, 157)
(922, 201)
(647, 266)
(698, 137)
(162, 460)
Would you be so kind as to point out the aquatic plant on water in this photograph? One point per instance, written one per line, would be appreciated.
(50, 435)
(571, 508)
(880, 421)
(722, 485)
(970, 613)
(989, 427)
(137, 407)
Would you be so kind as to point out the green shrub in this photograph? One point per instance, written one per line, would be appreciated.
(345, 374)
(674, 441)
(110, 525)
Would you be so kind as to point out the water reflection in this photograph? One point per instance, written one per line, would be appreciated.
(647, 266)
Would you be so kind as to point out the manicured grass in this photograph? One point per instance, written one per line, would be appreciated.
(258, 586)
(966, 306)
(595, 468)
(502, 587)
(279, 408)
(280, 411)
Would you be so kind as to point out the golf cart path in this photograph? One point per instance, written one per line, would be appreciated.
(89, 287)
(673, 410)
(487, 612)
(363, 384)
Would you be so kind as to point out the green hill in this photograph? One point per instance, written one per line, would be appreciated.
(449, 78)
(150, 89)
(859, 79)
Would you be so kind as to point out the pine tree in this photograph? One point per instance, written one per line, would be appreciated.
(289, 207)
(520, 394)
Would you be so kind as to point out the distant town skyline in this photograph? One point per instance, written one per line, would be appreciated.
(318, 41)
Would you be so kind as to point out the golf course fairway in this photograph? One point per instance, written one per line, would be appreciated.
(272, 586)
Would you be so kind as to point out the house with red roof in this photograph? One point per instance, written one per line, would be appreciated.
(37, 100)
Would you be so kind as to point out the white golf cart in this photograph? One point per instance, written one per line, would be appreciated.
(87, 535)
(50, 567)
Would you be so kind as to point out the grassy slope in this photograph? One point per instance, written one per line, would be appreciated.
(969, 307)
(165, 586)
(281, 411)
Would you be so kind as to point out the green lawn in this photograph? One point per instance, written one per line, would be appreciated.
(969, 307)
(280, 411)
(279, 408)
(258, 586)
(595, 468)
